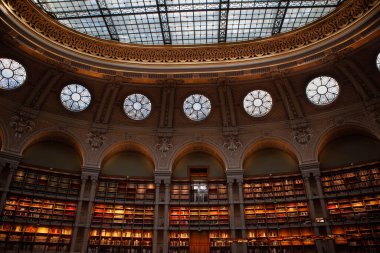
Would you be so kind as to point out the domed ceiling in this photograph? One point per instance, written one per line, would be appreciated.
(185, 22)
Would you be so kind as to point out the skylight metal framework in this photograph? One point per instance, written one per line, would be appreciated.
(223, 20)
(280, 16)
(163, 14)
(108, 19)
(185, 22)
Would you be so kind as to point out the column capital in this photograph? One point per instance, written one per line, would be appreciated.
(309, 168)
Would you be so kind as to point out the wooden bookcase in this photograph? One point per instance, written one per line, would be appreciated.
(181, 191)
(357, 237)
(276, 213)
(281, 188)
(363, 208)
(123, 215)
(120, 240)
(281, 240)
(15, 237)
(179, 242)
(352, 179)
(198, 216)
(219, 241)
(123, 190)
(44, 182)
(38, 210)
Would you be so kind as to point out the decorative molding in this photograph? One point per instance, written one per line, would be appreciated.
(164, 145)
(40, 22)
(303, 135)
(96, 138)
(232, 143)
(22, 123)
(302, 132)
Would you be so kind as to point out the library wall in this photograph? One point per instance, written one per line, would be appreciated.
(128, 164)
(198, 159)
(269, 161)
(52, 154)
(348, 150)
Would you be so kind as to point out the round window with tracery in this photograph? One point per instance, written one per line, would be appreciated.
(137, 106)
(258, 103)
(12, 74)
(322, 90)
(197, 107)
(75, 97)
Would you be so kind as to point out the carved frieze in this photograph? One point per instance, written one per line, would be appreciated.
(22, 123)
(347, 14)
(96, 138)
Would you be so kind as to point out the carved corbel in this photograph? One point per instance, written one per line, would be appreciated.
(22, 123)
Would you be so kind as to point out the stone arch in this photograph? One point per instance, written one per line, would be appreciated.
(270, 142)
(63, 137)
(338, 132)
(198, 146)
(126, 146)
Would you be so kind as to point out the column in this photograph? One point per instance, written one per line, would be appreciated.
(12, 169)
(94, 182)
(321, 195)
(156, 210)
(77, 215)
(230, 183)
(166, 216)
(306, 181)
(242, 218)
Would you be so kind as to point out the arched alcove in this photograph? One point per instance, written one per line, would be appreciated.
(347, 149)
(269, 161)
(128, 164)
(198, 160)
(53, 153)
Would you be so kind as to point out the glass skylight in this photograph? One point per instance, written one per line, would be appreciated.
(185, 22)
(197, 107)
(137, 106)
(12, 74)
(322, 90)
(75, 97)
(378, 62)
(258, 103)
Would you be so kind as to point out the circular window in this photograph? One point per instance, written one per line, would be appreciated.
(12, 74)
(197, 107)
(137, 106)
(378, 62)
(258, 103)
(75, 97)
(322, 90)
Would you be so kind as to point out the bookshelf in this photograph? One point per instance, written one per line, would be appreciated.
(281, 240)
(45, 182)
(179, 242)
(352, 179)
(289, 187)
(220, 241)
(125, 190)
(16, 237)
(121, 215)
(120, 240)
(276, 213)
(183, 191)
(363, 208)
(199, 216)
(357, 237)
(38, 210)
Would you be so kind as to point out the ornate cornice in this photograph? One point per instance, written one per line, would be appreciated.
(343, 17)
